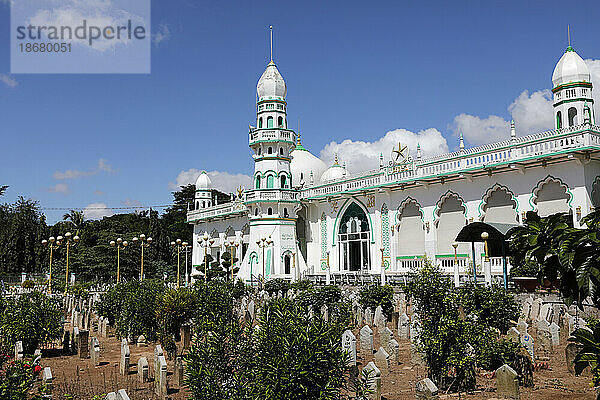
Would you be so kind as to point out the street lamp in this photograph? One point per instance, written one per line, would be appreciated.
(179, 245)
(69, 244)
(51, 244)
(485, 236)
(186, 249)
(456, 272)
(262, 243)
(232, 246)
(205, 241)
(144, 242)
(120, 244)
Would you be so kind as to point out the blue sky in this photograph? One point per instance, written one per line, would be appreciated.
(354, 70)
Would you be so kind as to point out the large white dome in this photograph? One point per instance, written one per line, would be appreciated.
(570, 68)
(203, 182)
(303, 163)
(271, 84)
(335, 172)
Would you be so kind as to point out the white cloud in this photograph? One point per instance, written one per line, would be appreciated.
(223, 181)
(9, 81)
(361, 156)
(477, 131)
(163, 34)
(59, 188)
(97, 211)
(98, 192)
(103, 166)
(131, 203)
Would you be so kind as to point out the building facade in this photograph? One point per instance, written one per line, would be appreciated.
(303, 218)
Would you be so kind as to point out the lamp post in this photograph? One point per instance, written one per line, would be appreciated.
(205, 241)
(179, 245)
(144, 242)
(186, 249)
(328, 272)
(456, 272)
(232, 246)
(53, 243)
(486, 263)
(382, 273)
(120, 244)
(294, 267)
(262, 243)
(69, 244)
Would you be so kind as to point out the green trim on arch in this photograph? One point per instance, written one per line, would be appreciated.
(343, 207)
(572, 101)
(451, 255)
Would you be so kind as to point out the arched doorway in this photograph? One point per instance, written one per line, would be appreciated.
(411, 233)
(451, 219)
(354, 239)
(287, 268)
(551, 196)
(499, 206)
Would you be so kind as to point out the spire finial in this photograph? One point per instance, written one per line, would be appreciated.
(569, 34)
(336, 159)
(462, 142)
(298, 142)
(271, 42)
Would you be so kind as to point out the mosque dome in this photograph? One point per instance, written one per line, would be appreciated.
(570, 68)
(303, 164)
(203, 182)
(271, 84)
(336, 171)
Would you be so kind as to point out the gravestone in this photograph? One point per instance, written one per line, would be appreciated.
(416, 356)
(95, 351)
(372, 374)
(543, 325)
(368, 316)
(380, 318)
(384, 338)
(47, 377)
(555, 333)
(514, 334)
(325, 312)
(74, 340)
(158, 351)
(426, 390)
(524, 315)
(570, 352)
(19, 350)
(349, 346)
(366, 339)
(186, 336)
(251, 307)
(575, 323)
(125, 357)
(178, 372)
(522, 327)
(507, 382)
(382, 360)
(394, 350)
(527, 342)
(544, 337)
(546, 312)
(535, 309)
(161, 378)
(122, 395)
(403, 326)
(142, 370)
(83, 345)
(66, 342)
(141, 341)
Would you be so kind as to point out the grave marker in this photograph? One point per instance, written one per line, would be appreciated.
(507, 382)
(349, 346)
(142, 370)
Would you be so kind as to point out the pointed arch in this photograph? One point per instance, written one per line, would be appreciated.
(354, 234)
(445, 197)
(551, 195)
(498, 204)
(410, 203)
(451, 218)
(410, 238)
(214, 234)
(229, 232)
(341, 212)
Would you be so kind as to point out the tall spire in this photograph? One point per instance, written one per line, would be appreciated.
(462, 143)
(418, 152)
(513, 131)
(271, 42)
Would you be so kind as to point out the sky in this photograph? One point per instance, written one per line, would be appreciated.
(361, 76)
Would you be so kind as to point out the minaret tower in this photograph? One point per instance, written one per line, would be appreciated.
(572, 88)
(271, 201)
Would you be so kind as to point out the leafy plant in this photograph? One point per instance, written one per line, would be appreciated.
(492, 305)
(589, 355)
(275, 285)
(17, 378)
(376, 295)
(28, 284)
(176, 307)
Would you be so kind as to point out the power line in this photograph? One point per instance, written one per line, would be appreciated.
(107, 208)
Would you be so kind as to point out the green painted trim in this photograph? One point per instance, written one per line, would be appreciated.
(273, 100)
(567, 190)
(489, 192)
(572, 101)
(272, 201)
(451, 255)
(261, 158)
(437, 204)
(409, 257)
(572, 85)
(275, 223)
(343, 207)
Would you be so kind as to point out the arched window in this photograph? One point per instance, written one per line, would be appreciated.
(286, 265)
(269, 122)
(283, 180)
(256, 212)
(281, 151)
(257, 186)
(285, 213)
(259, 151)
(280, 122)
(270, 150)
(354, 237)
(572, 116)
(558, 120)
(197, 205)
(270, 182)
(260, 122)
(270, 211)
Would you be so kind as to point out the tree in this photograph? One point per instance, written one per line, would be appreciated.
(3, 189)
(76, 218)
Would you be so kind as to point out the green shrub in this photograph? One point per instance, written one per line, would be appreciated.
(80, 290)
(32, 318)
(527, 268)
(376, 295)
(492, 305)
(175, 308)
(28, 284)
(17, 378)
(302, 285)
(275, 285)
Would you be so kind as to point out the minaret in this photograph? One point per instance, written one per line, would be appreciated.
(271, 201)
(513, 132)
(461, 144)
(572, 88)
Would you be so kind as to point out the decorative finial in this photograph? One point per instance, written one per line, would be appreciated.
(298, 142)
(271, 42)
(462, 142)
(335, 162)
(418, 152)
(569, 34)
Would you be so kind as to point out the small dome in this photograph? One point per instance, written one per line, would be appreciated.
(570, 68)
(271, 84)
(303, 163)
(335, 172)
(203, 182)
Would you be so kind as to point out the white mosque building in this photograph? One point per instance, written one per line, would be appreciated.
(302, 218)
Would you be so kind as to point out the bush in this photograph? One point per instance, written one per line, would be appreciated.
(28, 284)
(527, 268)
(132, 308)
(32, 318)
(493, 305)
(376, 295)
(302, 285)
(80, 290)
(17, 378)
(176, 307)
(275, 285)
